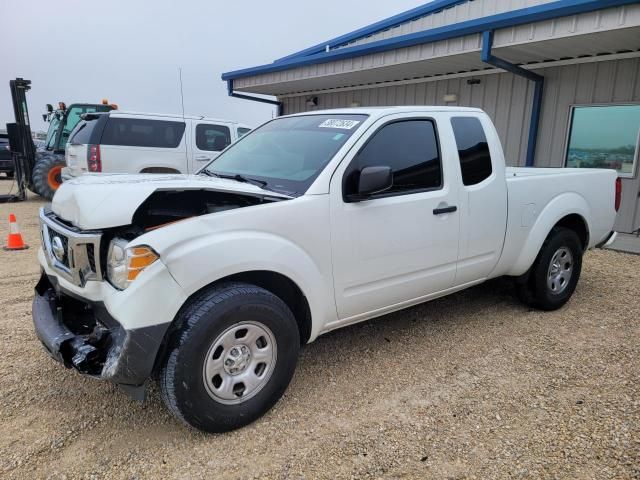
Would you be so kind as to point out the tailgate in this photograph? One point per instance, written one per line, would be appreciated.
(76, 158)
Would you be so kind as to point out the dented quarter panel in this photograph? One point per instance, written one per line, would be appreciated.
(290, 237)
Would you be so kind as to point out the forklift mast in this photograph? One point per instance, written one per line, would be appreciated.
(23, 150)
(22, 146)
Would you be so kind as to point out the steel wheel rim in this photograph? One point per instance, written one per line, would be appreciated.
(240, 362)
(560, 271)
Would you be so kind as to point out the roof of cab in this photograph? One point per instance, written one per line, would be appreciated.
(382, 111)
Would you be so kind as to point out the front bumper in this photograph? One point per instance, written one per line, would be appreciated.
(82, 334)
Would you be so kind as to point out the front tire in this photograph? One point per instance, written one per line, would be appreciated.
(47, 175)
(555, 272)
(231, 358)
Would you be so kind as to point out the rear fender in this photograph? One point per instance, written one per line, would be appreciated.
(561, 206)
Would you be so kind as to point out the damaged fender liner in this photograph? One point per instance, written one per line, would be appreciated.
(83, 335)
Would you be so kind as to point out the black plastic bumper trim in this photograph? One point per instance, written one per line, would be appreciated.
(129, 356)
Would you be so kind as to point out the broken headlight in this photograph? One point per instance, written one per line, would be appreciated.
(125, 264)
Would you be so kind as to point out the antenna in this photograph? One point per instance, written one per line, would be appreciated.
(181, 92)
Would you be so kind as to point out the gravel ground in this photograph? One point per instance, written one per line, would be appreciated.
(471, 386)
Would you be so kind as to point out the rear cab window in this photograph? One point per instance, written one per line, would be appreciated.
(473, 150)
(139, 132)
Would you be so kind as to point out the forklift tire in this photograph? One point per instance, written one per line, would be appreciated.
(47, 175)
(10, 174)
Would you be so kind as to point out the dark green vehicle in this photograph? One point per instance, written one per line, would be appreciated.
(46, 177)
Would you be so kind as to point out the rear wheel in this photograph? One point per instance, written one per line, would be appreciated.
(47, 175)
(231, 359)
(555, 273)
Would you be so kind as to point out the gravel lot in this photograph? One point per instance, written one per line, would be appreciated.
(471, 386)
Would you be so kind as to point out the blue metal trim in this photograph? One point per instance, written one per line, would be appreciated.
(547, 11)
(536, 107)
(414, 13)
(252, 98)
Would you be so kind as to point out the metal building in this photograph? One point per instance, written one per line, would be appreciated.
(560, 78)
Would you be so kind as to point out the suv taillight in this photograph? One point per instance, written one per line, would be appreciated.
(93, 158)
(618, 193)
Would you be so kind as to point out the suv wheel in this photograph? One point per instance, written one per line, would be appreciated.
(231, 359)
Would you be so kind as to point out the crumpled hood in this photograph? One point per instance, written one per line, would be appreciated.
(97, 201)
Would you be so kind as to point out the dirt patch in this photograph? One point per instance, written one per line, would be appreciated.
(470, 386)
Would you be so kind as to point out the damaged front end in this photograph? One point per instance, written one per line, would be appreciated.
(82, 335)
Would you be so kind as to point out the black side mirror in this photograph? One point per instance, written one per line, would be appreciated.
(373, 180)
(49, 108)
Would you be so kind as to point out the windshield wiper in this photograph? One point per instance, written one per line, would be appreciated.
(239, 178)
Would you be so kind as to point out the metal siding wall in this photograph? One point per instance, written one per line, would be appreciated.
(511, 117)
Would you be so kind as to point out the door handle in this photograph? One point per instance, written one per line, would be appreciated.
(202, 158)
(443, 210)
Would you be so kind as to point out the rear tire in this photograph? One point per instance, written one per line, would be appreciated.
(47, 174)
(231, 358)
(555, 272)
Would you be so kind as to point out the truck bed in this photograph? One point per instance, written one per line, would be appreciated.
(534, 191)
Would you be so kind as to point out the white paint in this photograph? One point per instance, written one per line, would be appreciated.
(352, 261)
(186, 157)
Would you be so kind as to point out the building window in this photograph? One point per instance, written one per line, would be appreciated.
(473, 150)
(604, 137)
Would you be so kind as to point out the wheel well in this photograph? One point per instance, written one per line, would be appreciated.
(576, 223)
(159, 170)
(283, 288)
(276, 283)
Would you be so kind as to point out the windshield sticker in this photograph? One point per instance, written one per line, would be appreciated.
(338, 136)
(337, 123)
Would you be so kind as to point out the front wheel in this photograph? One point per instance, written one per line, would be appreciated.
(231, 358)
(555, 272)
(47, 174)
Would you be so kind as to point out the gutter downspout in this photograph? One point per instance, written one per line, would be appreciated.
(254, 99)
(487, 57)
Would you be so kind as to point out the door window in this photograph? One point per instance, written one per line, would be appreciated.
(604, 137)
(214, 138)
(473, 150)
(410, 148)
(243, 131)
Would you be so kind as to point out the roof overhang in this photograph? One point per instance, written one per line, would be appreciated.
(521, 37)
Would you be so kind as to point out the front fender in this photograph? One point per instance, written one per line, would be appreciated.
(559, 207)
(205, 259)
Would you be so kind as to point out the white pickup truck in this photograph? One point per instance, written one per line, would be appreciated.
(212, 282)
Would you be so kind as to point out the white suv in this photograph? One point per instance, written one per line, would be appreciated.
(127, 142)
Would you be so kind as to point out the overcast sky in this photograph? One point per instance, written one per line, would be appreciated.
(129, 51)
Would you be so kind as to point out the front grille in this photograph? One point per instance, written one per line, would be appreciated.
(70, 251)
(91, 256)
(65, 245)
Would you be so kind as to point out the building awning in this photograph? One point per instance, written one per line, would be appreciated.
(561, 30)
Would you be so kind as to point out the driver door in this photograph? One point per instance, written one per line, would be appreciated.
(400, 245)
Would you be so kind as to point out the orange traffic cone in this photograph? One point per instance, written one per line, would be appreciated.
(14, 240)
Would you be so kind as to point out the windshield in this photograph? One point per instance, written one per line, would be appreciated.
(51, 133)
(287, 154)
